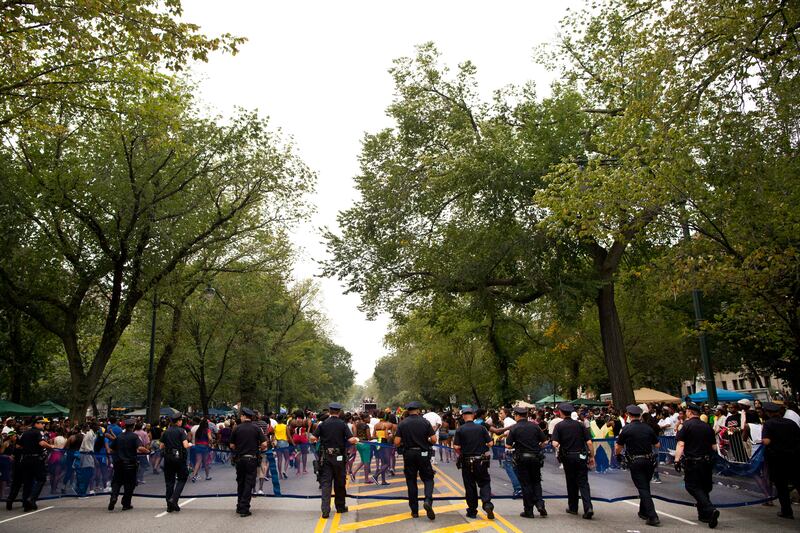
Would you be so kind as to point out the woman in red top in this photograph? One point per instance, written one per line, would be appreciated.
(298, 432)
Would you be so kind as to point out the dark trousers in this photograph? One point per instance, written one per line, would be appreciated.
(16, 482)
(124, 478)
(415, 464)
(529, 472)
(699, 483)
(475, 475)
(332, 475)
(175, 475)
(576, 472)
(34, 477)
(246, 468)
(784, 471)
(641, 474)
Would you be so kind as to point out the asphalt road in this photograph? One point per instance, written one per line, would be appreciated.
(387, 515)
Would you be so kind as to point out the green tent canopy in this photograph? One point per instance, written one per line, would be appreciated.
(588, 403)
(50, 408)
(8, 408)
(553, 398)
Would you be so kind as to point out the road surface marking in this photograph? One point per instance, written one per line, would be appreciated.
(469, 526)
(321, 523)
(26, 514)
(187, 502)
(497, 516)
(372, 505)
(335, 523)
(396, 518)
(662, 513)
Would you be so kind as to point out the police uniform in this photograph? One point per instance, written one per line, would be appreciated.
(638, 440)
(33, 471)
(333, 435)
(572, 437)
(415, 433)
(782, 454)
(246, 440)
(525, 438)
(175, 470)
(698, 462)
(474, 460)
(126, 463)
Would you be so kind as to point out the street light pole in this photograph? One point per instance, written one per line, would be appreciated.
(711, 386)
(152, 356)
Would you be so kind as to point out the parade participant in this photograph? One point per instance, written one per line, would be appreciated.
(694, 455)
(333, 436)
(573, 443)
(383, 435)
(174, 443)
(473, 442)
(125, 447)
(637, 440)
(781, 438)
(247, 440)
(11, 440)
(363, 447)
(526, 440)
(299, 430)
(33, 469)
(414, 437)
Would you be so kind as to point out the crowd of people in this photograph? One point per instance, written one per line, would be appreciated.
(80, 457)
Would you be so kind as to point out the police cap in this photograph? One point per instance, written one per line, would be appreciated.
(176, 417)
(249, 413)
(413, 405)
(634, 410)
(335, 406)
(467, 411)
(694, 407)
(130, 423)
(566, 407)
(771, 407)
(521, 411)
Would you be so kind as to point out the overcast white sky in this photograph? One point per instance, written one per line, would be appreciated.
(319, 70)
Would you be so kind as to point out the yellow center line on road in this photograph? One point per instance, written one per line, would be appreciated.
(321, 523)
(497, 516)
(469, 526)
(335, 523)
(395, 518)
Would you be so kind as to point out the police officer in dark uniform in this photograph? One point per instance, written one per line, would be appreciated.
(174, 443)
(637, 440)
(333, 435)
(781, 439)
(695, 455)
(573, 442)
(32, 467)
(473, 442)
(125, 448)
(526, 440)
(247, 442)
(414, 438)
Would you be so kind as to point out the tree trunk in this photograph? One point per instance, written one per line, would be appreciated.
(475, 396)
(501, 363)
(164, 360)
(613, 347)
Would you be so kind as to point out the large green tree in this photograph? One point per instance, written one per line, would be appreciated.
(103, 209)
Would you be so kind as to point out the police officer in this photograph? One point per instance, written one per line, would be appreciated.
(526, 440)
(333, 435)
(414, 438)
(473, 442)
(637, 440)
(247, 441)
(694, 454)
(781, 439)
(32, 468)
(125, 447)
(174, 443)
(573, 442)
